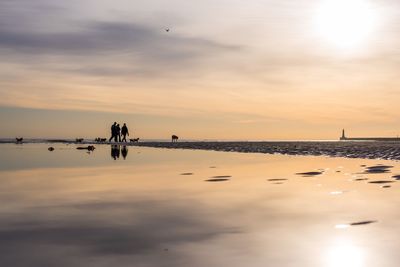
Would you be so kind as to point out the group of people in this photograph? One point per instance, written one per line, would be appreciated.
(117, 132)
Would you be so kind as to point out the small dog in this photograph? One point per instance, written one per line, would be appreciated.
(88, 148)
(19, 140)
(134, 140)
(174, 138)
(79, 140)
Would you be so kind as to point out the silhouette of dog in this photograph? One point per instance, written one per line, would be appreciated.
(88, 148)
(174, 138)
(19, 140)
(134, 140)
(103, 140)
(79, 140)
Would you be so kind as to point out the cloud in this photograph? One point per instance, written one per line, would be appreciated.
(110, 49)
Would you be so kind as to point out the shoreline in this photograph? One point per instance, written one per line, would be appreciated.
(364, 150)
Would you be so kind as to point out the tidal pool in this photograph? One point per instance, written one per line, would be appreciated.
(136, 206)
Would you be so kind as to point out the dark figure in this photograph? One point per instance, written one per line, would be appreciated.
(124, 132)
(19, 140)
(117, 133)
(88, 148)
(115, 151)
(134, 140)
(174, 138)
(124, 152)
(113, 132)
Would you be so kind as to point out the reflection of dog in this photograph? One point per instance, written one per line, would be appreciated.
(79, 140)
(19, 140)
(134, 140)
(174, 138)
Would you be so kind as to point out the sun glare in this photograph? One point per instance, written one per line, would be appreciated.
(345, 254)
(345, 23)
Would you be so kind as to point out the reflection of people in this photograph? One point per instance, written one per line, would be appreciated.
(124, 152)
(124, 132)
(113, 128)
(115, 151)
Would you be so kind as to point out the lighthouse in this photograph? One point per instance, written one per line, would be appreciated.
(343, 136)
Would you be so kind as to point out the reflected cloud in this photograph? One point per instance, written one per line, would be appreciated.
(101, 229)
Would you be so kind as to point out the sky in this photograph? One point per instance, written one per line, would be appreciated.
(226, 69)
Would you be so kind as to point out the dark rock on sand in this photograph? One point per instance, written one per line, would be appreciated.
(381, 182)
(360, 179)
(221, 176)
(378, 169)
(217, 180)
(362, 223)
(309, 173)
(50, 148)
(187, 173)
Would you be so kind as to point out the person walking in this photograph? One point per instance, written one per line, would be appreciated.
(113, 128)
(124, 132)
(117, 133)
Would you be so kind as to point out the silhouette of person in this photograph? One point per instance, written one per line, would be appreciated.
(113, 128)
(117, 133)
(124, 132)
(115, 151)
(124, 152)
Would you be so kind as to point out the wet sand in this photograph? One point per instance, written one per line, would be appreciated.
(156, 207)
(368, 150)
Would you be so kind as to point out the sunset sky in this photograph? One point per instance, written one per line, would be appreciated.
(227, 69)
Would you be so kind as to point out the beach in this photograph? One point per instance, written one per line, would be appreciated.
(186, 207)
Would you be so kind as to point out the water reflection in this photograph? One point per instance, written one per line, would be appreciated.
(124, 152)
(154, 209)
(115, 151)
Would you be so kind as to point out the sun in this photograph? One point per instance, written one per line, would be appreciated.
(345, 23)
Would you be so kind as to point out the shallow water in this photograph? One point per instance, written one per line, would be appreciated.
(72, 208)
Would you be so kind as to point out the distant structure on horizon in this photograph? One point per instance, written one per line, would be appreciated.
(344, 138)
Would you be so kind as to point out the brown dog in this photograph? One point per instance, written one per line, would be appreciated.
(174, 138)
